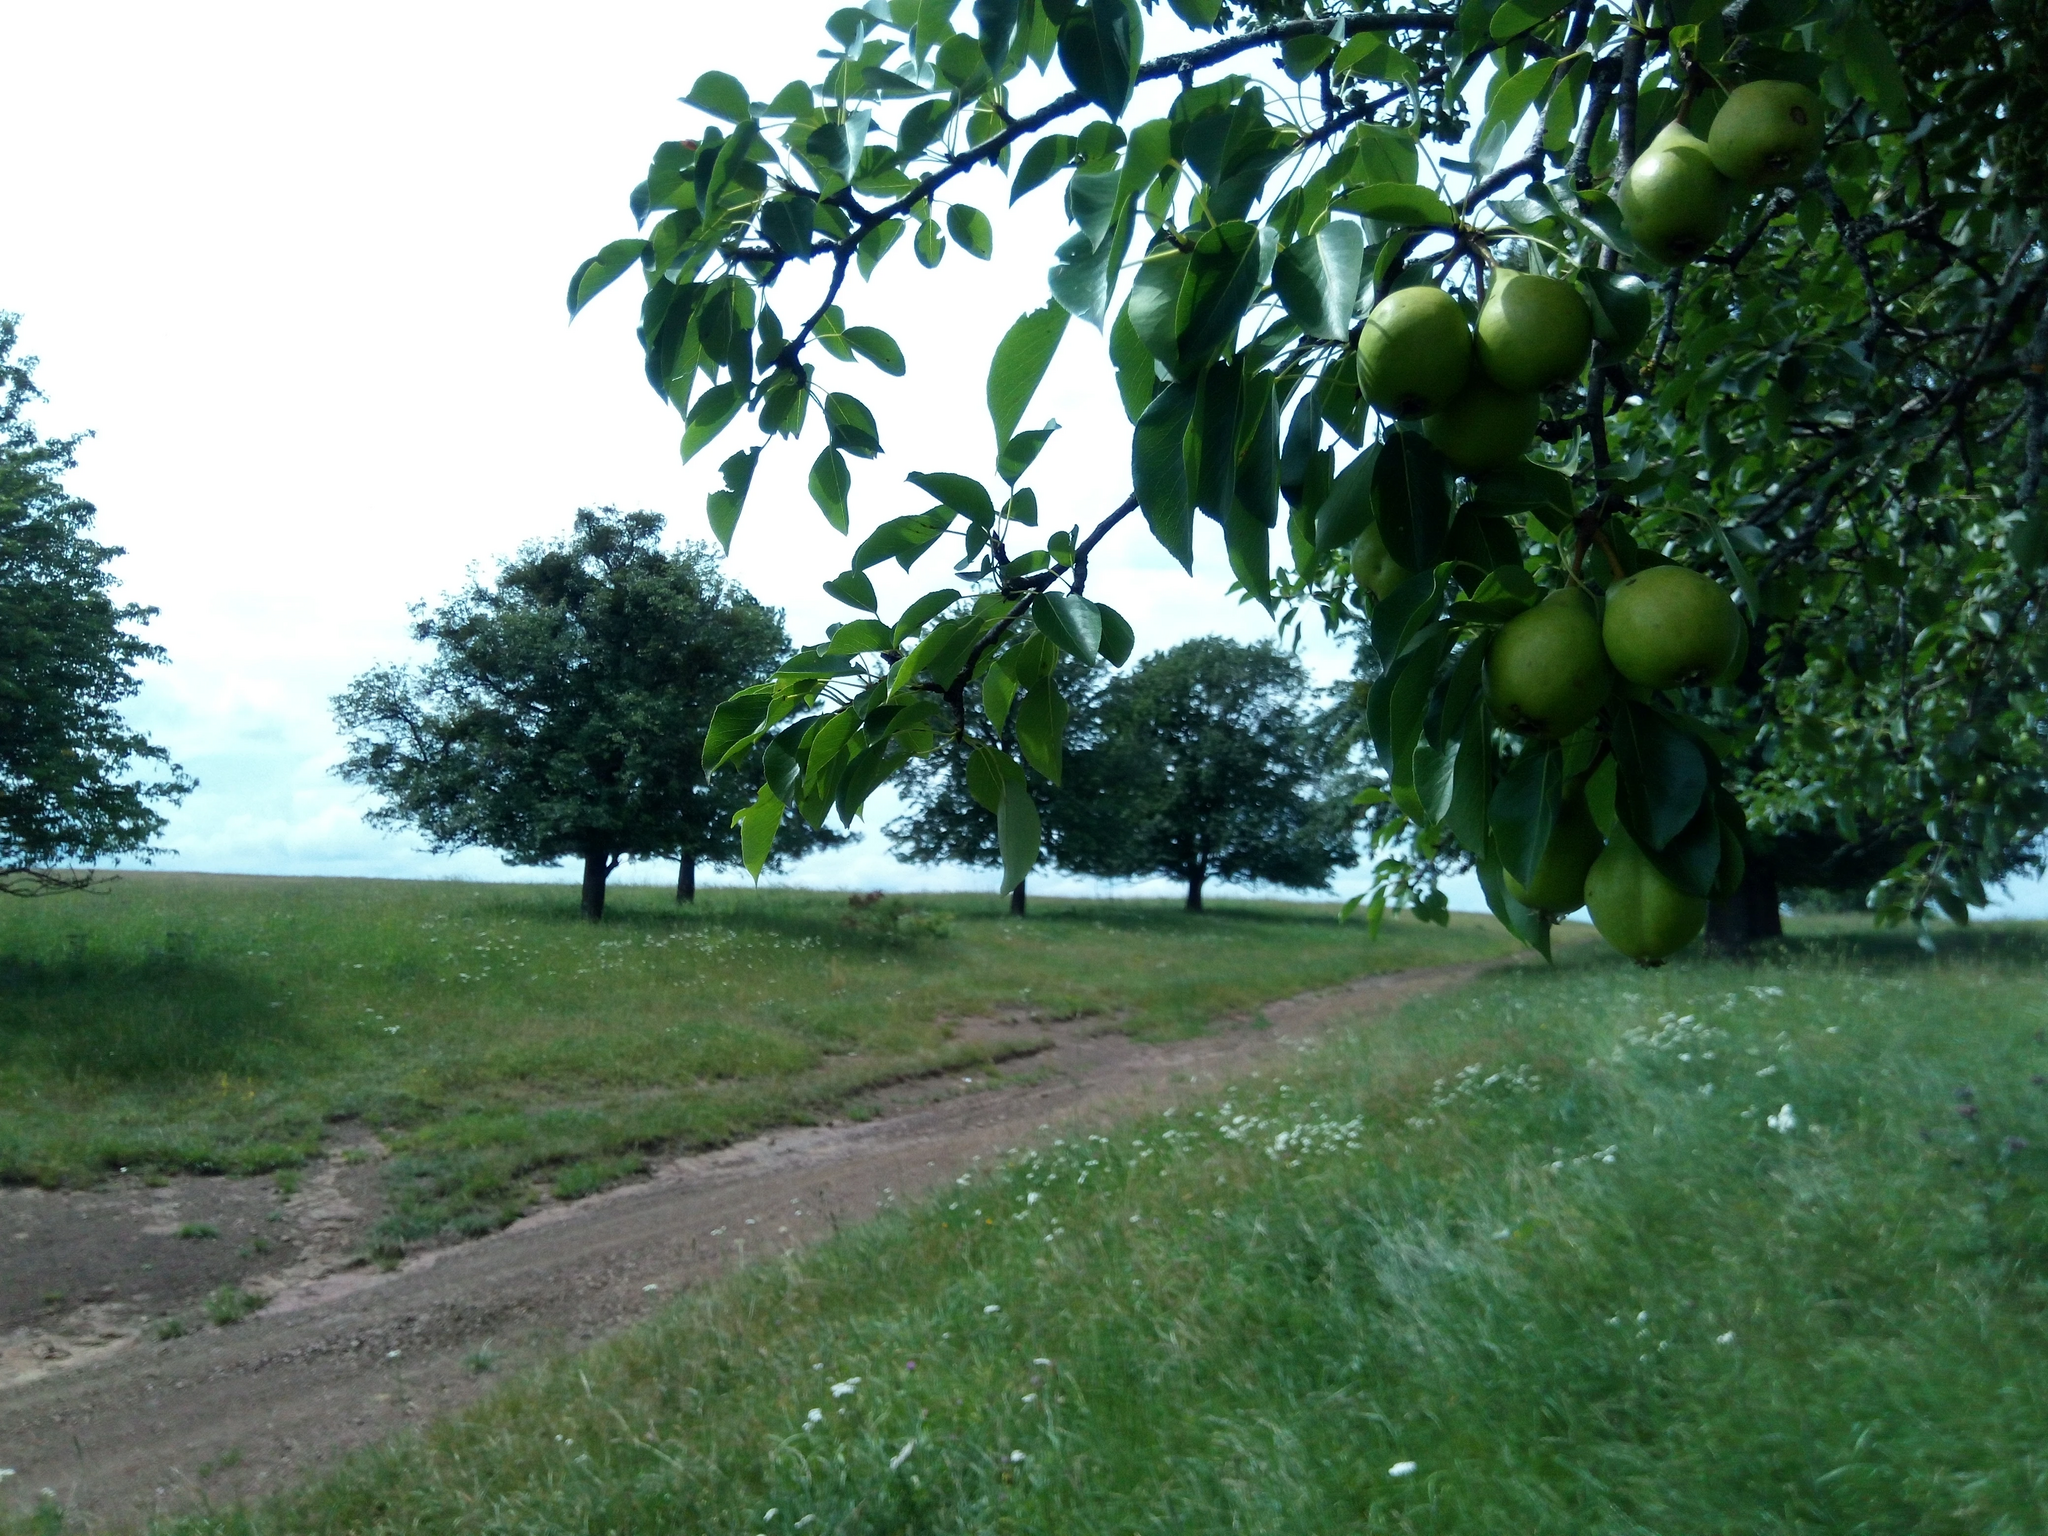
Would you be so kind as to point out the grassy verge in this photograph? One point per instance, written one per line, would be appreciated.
(492, 1040)
(1547, 1256)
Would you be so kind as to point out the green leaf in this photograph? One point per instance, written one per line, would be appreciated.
(1117, 641)
(714, 409)
(997, 21)
(860, 636)
(1346, 511)
(971, 230)
(1318, 279)
(1019, 366)
(1662, 775)
(1518, 16)
(758, 824)
(1043, 161)
(1100, 47)
(1411, 497)
(988, 771)
(1137, 378)
(1154, 305)
(1212, 438)
(924, 610)
(599, 272)
(786, 223)
(1869, 62)
(1017, 831)
(1301, 57)
(1222, 281)
(1159, 471)
(902, 539)
(1199, 14)
(1021, 452)
(998, 692)
(878, 347)
(722, 96)
(1514, 97)
(853, 588)
(963, 493)
(1525, 807)
(1022, 507)
(735, 723)
(723, 507)
(852, 426)
(930, 245)
(1072, 623)
(875, 245)
(831, 485)
(793, 100)
(1041, 726)
(1392, 202)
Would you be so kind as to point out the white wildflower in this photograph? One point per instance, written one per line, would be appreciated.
(845, 1388)
(1401, 1469)
(1784, 1122)
(1725, 1338)
(1015, 1457)
(814, 1418)
(903, 1455)
(991, 1309)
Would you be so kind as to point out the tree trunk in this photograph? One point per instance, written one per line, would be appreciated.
(1017, 899)
(1750, 914)
(686, 878)
(597, 869)
(1195, 889)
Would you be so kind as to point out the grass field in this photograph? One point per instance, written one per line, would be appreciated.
(1719, 1248)
(492, 1040)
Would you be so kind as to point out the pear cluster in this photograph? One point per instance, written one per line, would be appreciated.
(1553, 667)
(1677, 197)
(1474, 388)
(1550, 671)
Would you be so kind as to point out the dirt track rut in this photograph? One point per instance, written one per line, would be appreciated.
(338, 1360)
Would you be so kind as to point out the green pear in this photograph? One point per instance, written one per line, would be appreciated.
(1559, 884)
(1623, 306)
(1484, 426)
(1667, 626)
(1767, 133)
(1533, 331)
(1673, 200)
(1546, 674)
(1636, 909)
(1372, 567)
(1414, 351)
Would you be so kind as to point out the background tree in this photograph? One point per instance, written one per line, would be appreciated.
(70, 790)
(1201, 763)
(563, 714)
(1821, 378)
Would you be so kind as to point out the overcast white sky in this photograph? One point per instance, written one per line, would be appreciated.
(300, 270)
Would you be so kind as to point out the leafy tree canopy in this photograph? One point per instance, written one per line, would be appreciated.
(564, 710)
(1201, 763)
(1470, 325)
(77, 785)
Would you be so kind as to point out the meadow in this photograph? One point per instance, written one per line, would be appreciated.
(1722, 1247)
(497, 1046)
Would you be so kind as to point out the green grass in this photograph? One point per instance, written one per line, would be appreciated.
(1541, 1239)
(498, 1046)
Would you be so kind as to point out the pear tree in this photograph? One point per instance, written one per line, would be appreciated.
(1657, 389)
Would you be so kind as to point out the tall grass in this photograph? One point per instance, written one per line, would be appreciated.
(493, 1040)
(1548, 1256)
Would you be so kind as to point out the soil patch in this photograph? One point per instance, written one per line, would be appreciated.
(116, 1423)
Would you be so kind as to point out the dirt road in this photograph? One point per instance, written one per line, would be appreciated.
(116, 1423)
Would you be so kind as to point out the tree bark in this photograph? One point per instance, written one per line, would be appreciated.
(686, 878)
(597, 868)
(1195, 889)
(1749, 915)
(1017, 899)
